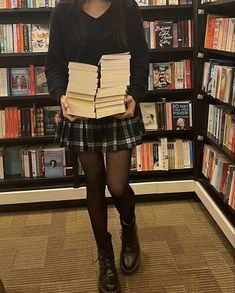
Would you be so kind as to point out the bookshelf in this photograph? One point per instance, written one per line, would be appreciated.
(204, 99)
(198, 54)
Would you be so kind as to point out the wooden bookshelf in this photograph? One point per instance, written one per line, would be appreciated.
(27, 140)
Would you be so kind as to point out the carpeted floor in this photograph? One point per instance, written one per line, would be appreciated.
(183, 250)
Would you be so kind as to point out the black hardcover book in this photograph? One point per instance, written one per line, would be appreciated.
(164, 34)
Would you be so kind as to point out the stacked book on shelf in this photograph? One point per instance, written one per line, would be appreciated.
(22, 38)
(167, 115)
(219, 80)
(162, 34)
(170, 75)
(23, 81)
(163, 155)
(10, 4)
(221, 174)
(220, 33)
(29, 121)
(221, 124)
(101, 90)
(33, 162)
(163, 2)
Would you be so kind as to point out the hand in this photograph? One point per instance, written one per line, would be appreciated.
(64, 106)
(130, 105)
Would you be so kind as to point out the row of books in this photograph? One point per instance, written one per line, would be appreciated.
(33, 162)
(51, 161)
(208, 1)
(167, 116)
(170, 75)
(12, 4)
(162, 34)
(221, 125)
(219, 80)
(21, 38)
(163, 2)
(220, 33)
(23, 122)
(23, 81)
(220, 173)
(163, 155)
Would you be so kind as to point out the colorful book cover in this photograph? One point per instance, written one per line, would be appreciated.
(180, 115)
(19, 81)
(40, 37)
(53, 162)
(164, 34)
(148, 111)
(51, 119)
(40, 81)
(163, 75)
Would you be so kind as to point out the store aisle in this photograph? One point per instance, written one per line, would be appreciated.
(53, 251)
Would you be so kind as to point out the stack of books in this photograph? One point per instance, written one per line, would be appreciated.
(81, 90)
(98, 91)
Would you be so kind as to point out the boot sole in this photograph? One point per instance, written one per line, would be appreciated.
(104, 291)
(133, 270)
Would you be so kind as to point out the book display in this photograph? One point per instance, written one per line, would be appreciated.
(188, 111)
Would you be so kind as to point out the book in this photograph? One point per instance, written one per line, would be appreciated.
(41, 87)
(163, 75)
(54, 162)
(40, 37)
(181, 115)
(148, 111)
(51, 117)
(19, 83)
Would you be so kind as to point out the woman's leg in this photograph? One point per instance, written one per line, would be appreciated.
(118, 170)
(93, 166)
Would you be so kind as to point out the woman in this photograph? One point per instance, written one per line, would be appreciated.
(83, 31)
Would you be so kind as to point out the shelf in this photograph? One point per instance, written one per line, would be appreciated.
(27, 140)
(218, 53)
(180, 174)
(222, 149)
(166, 7)
(26, 54)
(218, 199)
(170, 54)
(23, 98)
(26, 10)
(16, 183)
(174, 95)
(219, 4)
(219, 102)
(154, 134)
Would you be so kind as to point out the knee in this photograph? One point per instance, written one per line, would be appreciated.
(117, 190)
(95, 182)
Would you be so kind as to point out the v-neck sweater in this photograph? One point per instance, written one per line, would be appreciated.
(64, 47)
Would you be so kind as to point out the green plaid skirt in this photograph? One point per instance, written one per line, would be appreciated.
(101, 135)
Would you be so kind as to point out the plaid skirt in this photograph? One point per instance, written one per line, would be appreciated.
(101, 135)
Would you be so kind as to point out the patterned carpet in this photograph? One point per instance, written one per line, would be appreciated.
(183, 250)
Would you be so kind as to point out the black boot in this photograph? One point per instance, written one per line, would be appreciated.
(108, 278)
(130, 252)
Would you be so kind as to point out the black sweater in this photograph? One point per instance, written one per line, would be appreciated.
(101, 40)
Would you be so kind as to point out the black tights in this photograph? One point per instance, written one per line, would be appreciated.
(116, 176)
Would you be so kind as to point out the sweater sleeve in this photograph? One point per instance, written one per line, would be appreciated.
(55, 67)
(139, 65)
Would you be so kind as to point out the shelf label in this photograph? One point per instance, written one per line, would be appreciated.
(200, 97)
(200, 11)
(200, 55)
(200, 137)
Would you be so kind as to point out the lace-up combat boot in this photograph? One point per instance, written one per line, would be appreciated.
(108, 278)
(130, 252)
